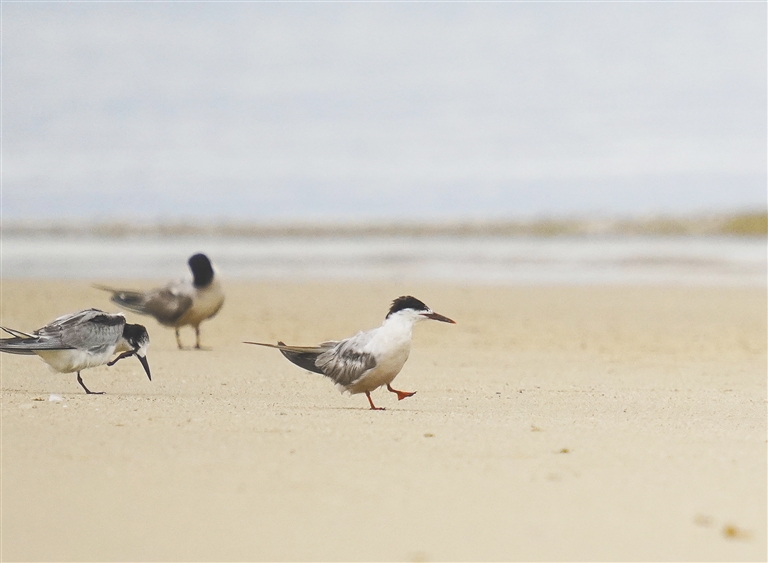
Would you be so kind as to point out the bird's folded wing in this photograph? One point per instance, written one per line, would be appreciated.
(28, 346)
(346, 362)
(92, 330)
(83, 316)
(94, 316)
(343, 362)
(166, 304)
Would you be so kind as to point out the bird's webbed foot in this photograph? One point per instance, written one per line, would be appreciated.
(401, 394)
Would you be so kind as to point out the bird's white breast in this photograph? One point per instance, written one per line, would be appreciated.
(206, 302)
(390, 346)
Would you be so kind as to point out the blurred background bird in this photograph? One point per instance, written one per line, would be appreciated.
(179, 303)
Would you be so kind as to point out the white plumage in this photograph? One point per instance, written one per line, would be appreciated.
(74, 342)
(368, 360)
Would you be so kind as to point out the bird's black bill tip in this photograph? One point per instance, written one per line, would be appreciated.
(145, 365)
(439, 317)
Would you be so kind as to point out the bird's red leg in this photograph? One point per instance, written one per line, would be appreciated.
(373, 407)
(401, 394)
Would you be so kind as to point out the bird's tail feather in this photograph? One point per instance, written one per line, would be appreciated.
(17, 333)
(302, 356)
(15, 345)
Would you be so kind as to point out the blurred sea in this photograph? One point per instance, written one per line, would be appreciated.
(657, 260)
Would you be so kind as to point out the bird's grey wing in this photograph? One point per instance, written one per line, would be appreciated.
(347, 361)
(27, 344)
(126, 298)
(52, 335)
(84, 316)
(91, 329)
(167, 305)
(20, 345)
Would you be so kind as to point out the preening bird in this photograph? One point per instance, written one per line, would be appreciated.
(368, 360)
(179, 303)
(72, 343)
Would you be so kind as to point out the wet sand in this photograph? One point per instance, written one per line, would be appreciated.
(550, 423)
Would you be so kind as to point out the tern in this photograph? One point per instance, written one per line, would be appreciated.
(81, 340)
(370, 359)
(179, 303)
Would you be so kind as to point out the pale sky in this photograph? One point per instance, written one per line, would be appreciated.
(355, 111)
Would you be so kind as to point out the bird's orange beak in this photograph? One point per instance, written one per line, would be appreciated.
(439, 317)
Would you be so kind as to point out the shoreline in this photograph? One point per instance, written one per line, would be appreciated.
(573, 260)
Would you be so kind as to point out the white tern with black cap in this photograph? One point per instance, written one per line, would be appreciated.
(72, 343)
(368, 360)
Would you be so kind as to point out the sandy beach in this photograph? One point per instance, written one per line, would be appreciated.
(550, 423)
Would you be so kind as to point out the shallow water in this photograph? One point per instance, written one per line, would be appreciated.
(488, 260)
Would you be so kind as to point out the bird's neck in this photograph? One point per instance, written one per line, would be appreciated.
(397, 327)
(122, 346)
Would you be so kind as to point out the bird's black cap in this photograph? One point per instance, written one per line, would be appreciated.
(407, 302)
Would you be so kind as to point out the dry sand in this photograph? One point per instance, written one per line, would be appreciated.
(549, 424)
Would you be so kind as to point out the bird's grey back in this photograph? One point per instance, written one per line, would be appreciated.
(91, 330)
(167, 304)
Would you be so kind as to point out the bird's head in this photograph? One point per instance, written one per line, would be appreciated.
(411, 308)
(137, 339)
(202, 270)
